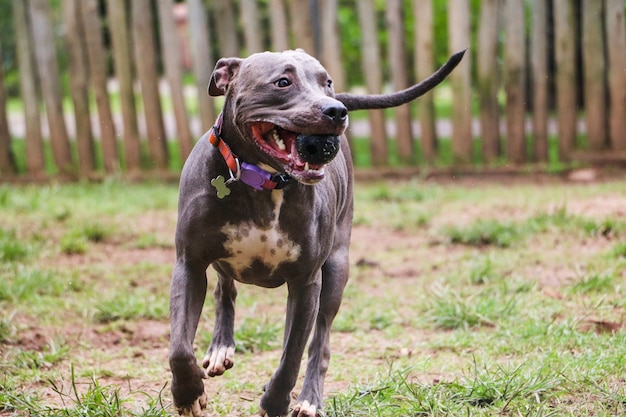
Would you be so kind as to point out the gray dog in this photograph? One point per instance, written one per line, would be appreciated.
(266, 198)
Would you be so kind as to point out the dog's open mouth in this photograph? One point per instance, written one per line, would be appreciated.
(303, 156)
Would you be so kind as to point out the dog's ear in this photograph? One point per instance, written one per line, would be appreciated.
(225, 70)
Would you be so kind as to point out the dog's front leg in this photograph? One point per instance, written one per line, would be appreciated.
(187, 294)
(335, 276)
(302, 306)
(221, 353)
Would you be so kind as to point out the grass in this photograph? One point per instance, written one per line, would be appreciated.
(131, 305)
(466, 297)
(481, 390)
(98, 400)
(484, 232)
(255, 335)
(504, 234)
(449, 310)
(11, 249)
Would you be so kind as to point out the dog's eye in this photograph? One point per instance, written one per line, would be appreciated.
(282, 83)
(329, 83)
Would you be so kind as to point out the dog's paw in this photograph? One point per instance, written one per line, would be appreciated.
(273, 408)
(264, 413)
(218, 360)
(195, 409)
(304, 409)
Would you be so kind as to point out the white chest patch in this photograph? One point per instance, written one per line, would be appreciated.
(246, 243)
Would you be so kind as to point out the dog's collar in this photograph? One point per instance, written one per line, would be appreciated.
(250, 174)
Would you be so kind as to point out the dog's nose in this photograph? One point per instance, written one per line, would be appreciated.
(338, 113)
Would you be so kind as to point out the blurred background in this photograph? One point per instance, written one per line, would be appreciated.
(90, 88)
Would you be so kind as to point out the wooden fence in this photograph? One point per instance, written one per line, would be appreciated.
(533, 65)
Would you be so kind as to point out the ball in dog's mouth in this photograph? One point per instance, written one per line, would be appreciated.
(303, 156)
(317, 149)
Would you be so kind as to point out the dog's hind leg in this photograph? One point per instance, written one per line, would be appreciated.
(187, 294)
(221, 353)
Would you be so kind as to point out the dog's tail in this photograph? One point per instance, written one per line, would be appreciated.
(382, 101)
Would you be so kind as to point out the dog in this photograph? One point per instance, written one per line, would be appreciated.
(266, 198)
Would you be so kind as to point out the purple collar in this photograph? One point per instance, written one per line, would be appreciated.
(258, 178)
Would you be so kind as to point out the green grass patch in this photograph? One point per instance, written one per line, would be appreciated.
(7, 328)
(11, 248)
(53, 353)
(482, 391)
(618, 250)
(96, 400)
(27, 284)
(258, 335)
(133, 304)
(595, 283)
(450, 310)
(485, 232)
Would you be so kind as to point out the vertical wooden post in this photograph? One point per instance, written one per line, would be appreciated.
(460, 80)
(45, 55)
(593, 71)
(565, 75)
(278, 25)
(202, 60)
(424, 65)
(301, 27)
(515, 80)
(250, 20)
(146, 63)
(539, 63)
(616, 45)
(7, 161)
(172, 62)
(331, 50)
(98, 72)
(122, 59)
(331, 47)
(488, 79)
(373, 78)
(79, 84)
(399, 79)
(226, 28)
(314, 20)
(28, 83)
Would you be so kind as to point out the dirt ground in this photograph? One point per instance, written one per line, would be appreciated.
(143, 343)
(133, 354)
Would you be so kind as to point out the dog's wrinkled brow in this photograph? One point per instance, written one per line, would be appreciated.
(289, 69)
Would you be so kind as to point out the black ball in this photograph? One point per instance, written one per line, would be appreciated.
(317, 149)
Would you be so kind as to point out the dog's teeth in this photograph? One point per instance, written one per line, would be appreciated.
(306, 167)
(279, 142)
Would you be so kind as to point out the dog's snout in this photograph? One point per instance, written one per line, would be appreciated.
(338, 113)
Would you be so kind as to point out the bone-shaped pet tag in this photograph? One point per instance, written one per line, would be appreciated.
(220, 185)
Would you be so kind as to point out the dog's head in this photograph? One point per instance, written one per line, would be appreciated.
(284, 103)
